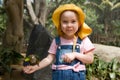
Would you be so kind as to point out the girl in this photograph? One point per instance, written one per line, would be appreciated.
(72, 49)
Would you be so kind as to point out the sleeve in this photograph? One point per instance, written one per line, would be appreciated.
(87, 45)
(53, 47)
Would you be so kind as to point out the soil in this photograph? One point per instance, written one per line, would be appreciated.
(16, 74)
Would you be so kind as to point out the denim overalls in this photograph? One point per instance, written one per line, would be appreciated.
(67, 74)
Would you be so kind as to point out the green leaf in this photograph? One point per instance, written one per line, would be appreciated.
(112, 75)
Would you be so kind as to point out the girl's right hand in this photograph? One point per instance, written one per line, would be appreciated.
(69, 57)
(30, 69)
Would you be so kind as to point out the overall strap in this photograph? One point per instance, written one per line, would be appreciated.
(79, 40)
(57, 40)
(60, 47)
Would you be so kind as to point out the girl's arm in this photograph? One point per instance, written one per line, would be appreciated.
(45, 62)
(87, 48)
(85, 58)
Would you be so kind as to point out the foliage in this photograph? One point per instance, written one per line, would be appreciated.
(2, 20)
(9, 57)
(103, 70)
(104, 9)
(91, 20)
(106, 21)
(116, 26)
(96, 1)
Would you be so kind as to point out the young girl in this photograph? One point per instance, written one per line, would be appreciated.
(72, 49)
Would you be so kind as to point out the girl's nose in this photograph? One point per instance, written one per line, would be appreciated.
(69, 25)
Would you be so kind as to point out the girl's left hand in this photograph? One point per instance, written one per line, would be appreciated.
(69, 57)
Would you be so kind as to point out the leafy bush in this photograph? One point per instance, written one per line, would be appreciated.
(9, 57)
(103, 70)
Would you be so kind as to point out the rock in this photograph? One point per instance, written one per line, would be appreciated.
(106, 52)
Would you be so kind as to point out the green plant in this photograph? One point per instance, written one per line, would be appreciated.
(103, 70)
(9, 57)
(113, 70)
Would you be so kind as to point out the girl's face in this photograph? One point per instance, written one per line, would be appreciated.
(69, 23)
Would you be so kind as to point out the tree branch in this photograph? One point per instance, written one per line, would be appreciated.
(31, 12)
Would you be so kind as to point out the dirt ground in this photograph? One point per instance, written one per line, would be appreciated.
(16, 74)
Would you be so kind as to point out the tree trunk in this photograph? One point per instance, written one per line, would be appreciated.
(13, 36)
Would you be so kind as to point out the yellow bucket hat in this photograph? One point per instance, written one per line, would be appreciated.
(84, 30)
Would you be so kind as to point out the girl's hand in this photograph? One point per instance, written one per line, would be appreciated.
(30, 69)
(69, 57)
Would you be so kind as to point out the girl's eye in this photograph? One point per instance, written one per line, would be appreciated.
(64, 21)
(73, 21)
